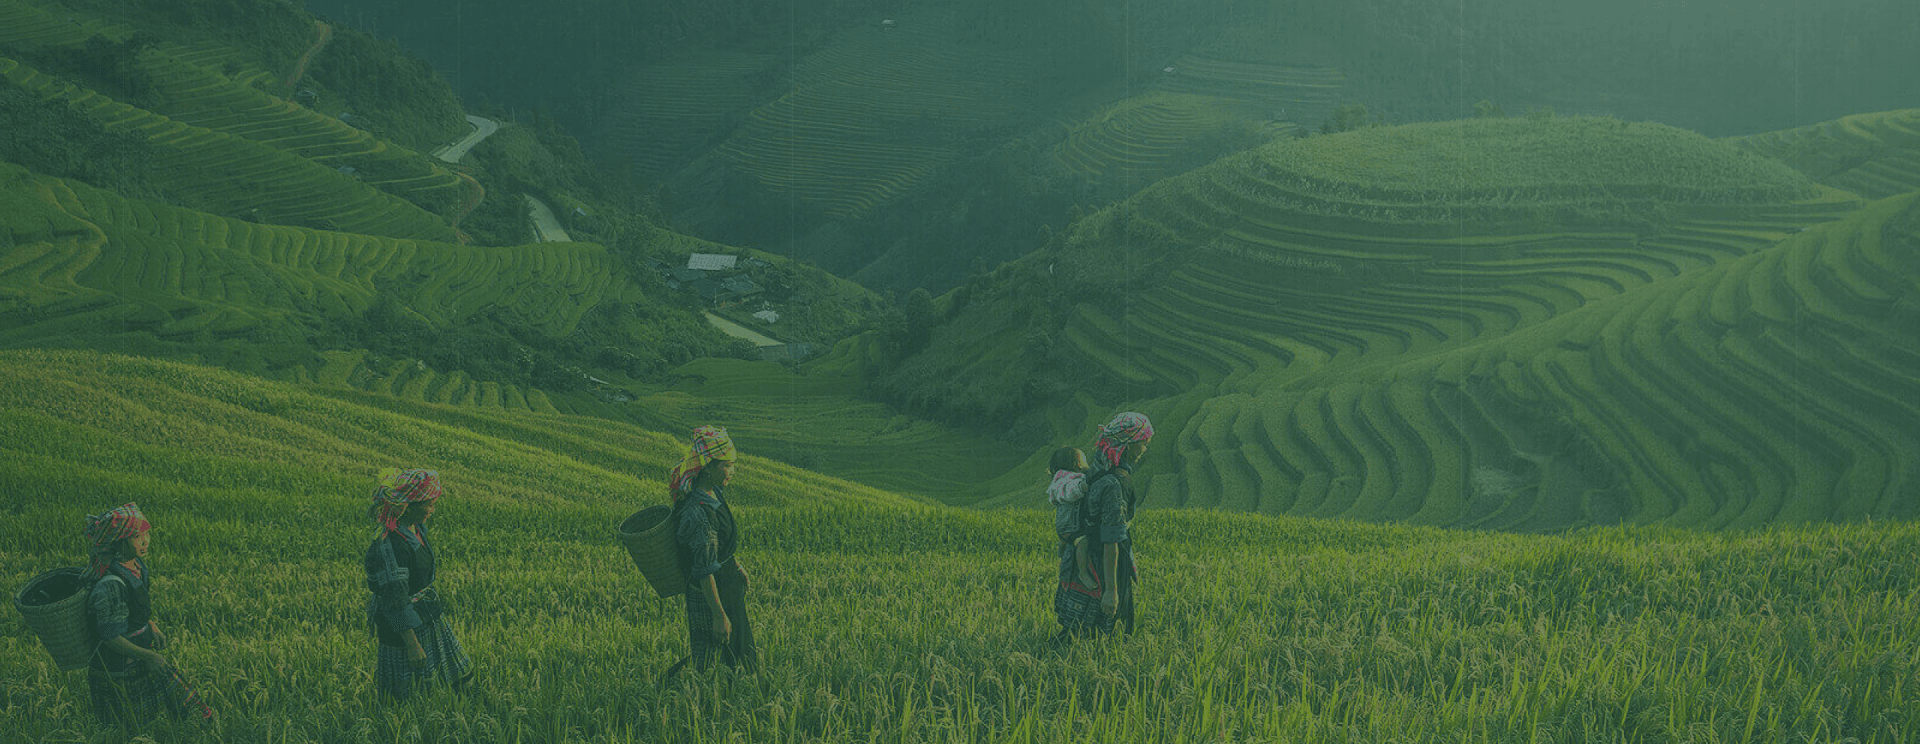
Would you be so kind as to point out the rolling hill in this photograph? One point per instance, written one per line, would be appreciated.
(1526, 324)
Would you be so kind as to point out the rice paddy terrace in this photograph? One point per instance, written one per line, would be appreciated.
(1141, 139)
(83, 266)
(877, 112)
(222, 143)
(1302, 95)
(669, 111)
(1511, 324)
(1874, 155)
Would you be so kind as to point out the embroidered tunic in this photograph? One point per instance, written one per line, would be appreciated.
(124, 689)
(400, 571)
(707, 536)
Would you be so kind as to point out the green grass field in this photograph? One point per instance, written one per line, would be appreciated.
(1253, 628)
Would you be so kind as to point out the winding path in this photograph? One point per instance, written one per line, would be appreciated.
(739, 331)
(323, 33)
(482, 129)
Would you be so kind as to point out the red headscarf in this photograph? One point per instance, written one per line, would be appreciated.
(1123, 430)
(397, 489)
(108, 529)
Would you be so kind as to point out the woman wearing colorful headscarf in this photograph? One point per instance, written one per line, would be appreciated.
(131, 683)
(1106, 511)
(707, 536)
(417, 647)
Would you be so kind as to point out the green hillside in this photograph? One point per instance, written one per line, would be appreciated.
(86, 268)
(1472, 323)
(1253, 627)
(1874, 155)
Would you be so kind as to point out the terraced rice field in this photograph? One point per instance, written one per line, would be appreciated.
(876, 113)
(1307, 349)
(1139, 140)
(1776, 387)
(85, 259)
(201, 96)
(669, 111)
(242, 176)
(411, 380)
(27, 23)
(885, 620)
(1874, 155)
(1303, 95)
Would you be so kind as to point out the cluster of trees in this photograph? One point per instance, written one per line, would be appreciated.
(51, 139)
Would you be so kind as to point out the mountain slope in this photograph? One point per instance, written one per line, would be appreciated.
(1477, 323)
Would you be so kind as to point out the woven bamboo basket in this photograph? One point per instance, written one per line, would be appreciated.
(55, 607)
(648, 536)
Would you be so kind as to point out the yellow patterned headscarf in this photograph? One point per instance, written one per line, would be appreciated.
(710, 443)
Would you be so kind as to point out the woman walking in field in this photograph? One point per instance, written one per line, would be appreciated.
(707, 536)
(417, 647)
(1105, 513)
(130, 682)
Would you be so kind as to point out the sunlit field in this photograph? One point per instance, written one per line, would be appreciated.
(884, 619)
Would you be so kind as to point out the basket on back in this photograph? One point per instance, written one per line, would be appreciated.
(55, 607)
(648, 536)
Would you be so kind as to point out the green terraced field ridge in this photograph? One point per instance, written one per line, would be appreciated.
(886, 620)
(413, 380)
(874, 113)
(672, 110)
(26, 23)
(1141, 139)
(85, 264)
(1777, 387)
(1269, 265)
(201, 96)
(1361, 325)
(239, 176)
(1874, 155)
(1305, 96)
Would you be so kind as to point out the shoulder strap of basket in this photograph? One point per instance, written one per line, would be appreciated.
(386, 555)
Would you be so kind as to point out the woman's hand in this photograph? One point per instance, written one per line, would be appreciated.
(1110, 602)
(157, 663)
(159, 638)
(722, 628)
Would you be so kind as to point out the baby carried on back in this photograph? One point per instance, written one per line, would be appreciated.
(1067, 493)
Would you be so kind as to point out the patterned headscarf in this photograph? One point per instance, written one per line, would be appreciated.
(397, 489)
(1123, 430)
(108, 529)
(710, 443)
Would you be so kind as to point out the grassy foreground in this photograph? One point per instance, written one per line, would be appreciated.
(883, 619)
